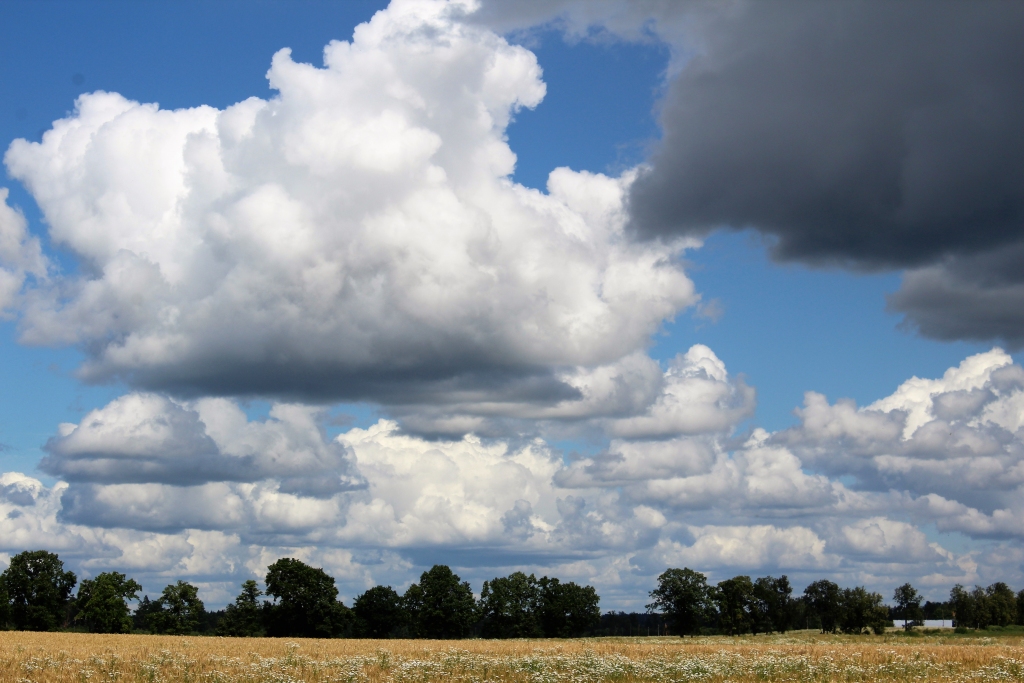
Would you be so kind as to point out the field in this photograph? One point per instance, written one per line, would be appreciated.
(72, 657)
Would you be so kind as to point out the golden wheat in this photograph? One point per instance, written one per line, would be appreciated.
(73, 657)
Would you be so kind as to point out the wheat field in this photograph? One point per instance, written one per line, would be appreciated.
(74, 657)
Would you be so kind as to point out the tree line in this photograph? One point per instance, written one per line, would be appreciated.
(739, 605)
(36, 593)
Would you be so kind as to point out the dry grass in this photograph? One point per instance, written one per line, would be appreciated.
(57, 657)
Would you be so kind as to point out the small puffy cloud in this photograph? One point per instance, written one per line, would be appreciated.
(697, 397)
(355, 236)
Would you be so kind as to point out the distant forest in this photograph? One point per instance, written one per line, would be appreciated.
(37, 593)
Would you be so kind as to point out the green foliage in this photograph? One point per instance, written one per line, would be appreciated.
(825, 600)
(244, 618)
(773, 606)
(1020, 608)
(510, 607)
(982, 607)
(178, 611)
(39, 591)
(734, 600)
(380, 613)
(102, 603)
(306, 604)
(567, 610)
(1002, 604)
(684, 597)
(908, 606)
(5, 605)
(862, 610)
(441, 605)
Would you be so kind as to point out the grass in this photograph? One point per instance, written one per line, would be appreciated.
(78, 658)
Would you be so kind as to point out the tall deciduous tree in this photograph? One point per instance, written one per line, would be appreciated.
(908, 605)
(825, 599)
(510, 607)
(178, 611)
(773, 604)
(863, 610)
(102, 603)
(442, 605)
(306, 602)
(567, 610)
(244, 618)
(39, 590)
(684, 597)
(735, 600)
(380, 613)
(1002, 604)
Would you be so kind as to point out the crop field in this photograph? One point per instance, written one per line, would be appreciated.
(72, 657)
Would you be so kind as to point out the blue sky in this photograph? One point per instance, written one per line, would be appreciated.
(618, 97)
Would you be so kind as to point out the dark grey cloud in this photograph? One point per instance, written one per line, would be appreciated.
(882, 134)
(976, 297)
(862, 134)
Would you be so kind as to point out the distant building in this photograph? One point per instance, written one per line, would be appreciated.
(927, 623)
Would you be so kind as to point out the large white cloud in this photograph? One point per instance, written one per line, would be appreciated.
(357, 235)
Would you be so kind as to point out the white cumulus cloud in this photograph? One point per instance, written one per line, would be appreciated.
(357, 235)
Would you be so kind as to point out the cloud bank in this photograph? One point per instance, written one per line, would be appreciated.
(357, 236)
(864, 495)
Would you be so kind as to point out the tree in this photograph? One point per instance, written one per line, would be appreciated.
(39, 591)
(684, 597)
(825, 600)
(772, 604)
(862, 610)
(146, 608)
(981, 606)
(908, 606)
(380, 613)
(178, 610)
(962, 605)
(735, 600)
(510, 607)
(102, 603)
(306, 604)
(567, 610)
(937, 610)
(1002, 604)
(1020, 608)
(5, 605)
(442, 604)
(243, 618)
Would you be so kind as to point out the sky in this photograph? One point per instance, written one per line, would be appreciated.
(583, 289)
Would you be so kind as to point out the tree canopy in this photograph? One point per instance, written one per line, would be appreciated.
(39, 590)
(306, 602)
(102, 602)
(178, 611)
(684, 597)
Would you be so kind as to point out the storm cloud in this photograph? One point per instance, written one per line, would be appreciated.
(868, 135)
